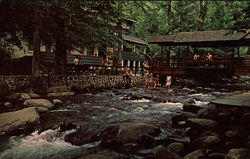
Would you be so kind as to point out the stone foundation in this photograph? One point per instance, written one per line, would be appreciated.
(18, 82)
(22, 82)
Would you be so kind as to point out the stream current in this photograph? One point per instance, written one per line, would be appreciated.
(99, 111)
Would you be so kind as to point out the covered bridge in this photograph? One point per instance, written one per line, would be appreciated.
(183, 62)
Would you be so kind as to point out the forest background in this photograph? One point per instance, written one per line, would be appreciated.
(172, 17)
(72, 24)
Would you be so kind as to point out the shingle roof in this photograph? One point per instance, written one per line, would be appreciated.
(161, 39)
(200, 37)
(134, 39)
(205, 36)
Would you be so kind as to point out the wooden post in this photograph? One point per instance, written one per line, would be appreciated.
(233, 52)
(36, 52)
(187, 50)
(238, 51)
(161, 51)
(119, 25)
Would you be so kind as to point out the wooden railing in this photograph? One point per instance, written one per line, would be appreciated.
(242, 66)
(166, 62)
(189, 62)
(216, 62)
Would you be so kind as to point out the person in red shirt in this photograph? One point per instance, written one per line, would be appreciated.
(126, 77)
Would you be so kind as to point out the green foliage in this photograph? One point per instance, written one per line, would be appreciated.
(79, 23)
(171, 17)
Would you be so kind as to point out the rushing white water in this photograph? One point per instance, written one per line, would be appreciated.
(140, 101)
(106, 108)
(48, 144)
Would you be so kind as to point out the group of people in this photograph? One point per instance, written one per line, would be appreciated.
(196, 58)
(150, 80)
(208, 57)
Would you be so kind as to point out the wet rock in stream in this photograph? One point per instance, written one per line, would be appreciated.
(127, 133)
(83, 135)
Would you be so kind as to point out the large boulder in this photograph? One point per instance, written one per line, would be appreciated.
(21, 119)
(176, 147)
(83, 135)
(25, 96)
(206, 124)
(210, 141)
(188, 107)
(42, 105)
(34, 95)
(57, 102)
(182, 117)
(210, 112)
(198, 154)
(238, 154)
(4, 88)
(128, 132)
(160, 152)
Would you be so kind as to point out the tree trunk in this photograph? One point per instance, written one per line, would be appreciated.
(169, 11)
(119, 25)
(60, 54)
(61, 48)
(36, 52)
(202, 15)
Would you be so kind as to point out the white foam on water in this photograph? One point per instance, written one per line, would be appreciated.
(164, 108)
(200, 103)
(200, 95)
(97, 106)
(38, 146)
(63, 110)
(140, 101)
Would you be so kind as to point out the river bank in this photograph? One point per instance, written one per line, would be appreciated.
(79, 126)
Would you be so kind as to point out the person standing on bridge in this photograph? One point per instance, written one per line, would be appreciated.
(196, 59)
(209, 59)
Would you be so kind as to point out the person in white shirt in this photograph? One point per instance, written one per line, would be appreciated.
(168, 82)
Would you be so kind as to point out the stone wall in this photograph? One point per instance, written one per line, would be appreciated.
(18, 82)
(100, 81)
(22, 82)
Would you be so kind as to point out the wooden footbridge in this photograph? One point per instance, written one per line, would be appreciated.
(184, 64)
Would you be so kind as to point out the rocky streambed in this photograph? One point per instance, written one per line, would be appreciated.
(126, 124)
